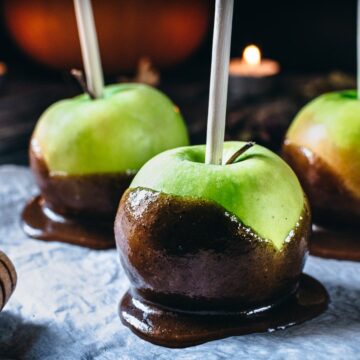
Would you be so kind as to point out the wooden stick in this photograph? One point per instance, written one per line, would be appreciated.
(219, 81)
(89, 47)
(8, 279)
(358, 49)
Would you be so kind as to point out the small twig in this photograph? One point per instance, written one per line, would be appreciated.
(246, 147)
(145, 74)
(79, 76)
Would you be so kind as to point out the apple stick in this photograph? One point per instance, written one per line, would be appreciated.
(219, 81)
(358, 49)
(89, 47)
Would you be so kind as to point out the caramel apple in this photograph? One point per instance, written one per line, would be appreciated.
(214, 250)
(84, 153)
(322, 147)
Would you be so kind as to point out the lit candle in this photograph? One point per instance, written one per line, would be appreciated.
(251, 75)
(252, 65)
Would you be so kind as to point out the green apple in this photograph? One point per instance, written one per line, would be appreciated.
(329, 126)
(323, 147)
(260, 189)
(84, 152)
(113, 134)
(194, 236)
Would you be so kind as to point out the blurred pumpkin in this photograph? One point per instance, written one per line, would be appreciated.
(166, 31)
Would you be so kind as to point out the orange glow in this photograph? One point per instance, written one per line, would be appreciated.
(2, 68)
(252, 55)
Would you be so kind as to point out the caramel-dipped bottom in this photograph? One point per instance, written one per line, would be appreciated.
(336, 211)
(175, 329)
(8, 279)
(339, 244)
(74, 209)
(192, 265)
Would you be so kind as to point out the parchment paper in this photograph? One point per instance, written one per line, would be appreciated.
(65, 304)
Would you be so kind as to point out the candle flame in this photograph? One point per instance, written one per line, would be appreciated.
(252, 55)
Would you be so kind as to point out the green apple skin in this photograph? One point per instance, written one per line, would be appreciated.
(114, 134)
(260, 189)
(329, 127)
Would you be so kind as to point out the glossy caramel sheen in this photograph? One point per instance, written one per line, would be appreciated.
(332, 204)
(198, 274)
(342, 244)
(191, 254)
(166, 327)
(74, 209)
(40, 222)
(85, 196)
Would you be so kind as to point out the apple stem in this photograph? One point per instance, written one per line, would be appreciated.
(246, 147)
(79, 76)
(219, 81)
(89, 47)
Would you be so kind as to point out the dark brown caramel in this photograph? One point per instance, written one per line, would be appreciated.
(193, 256)
(331, 203)
(339, 244)
(170, 328)
(334, 208)
(95, 195)
(74, 209)
(39, 222)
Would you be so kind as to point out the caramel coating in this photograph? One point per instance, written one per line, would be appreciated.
(8, 279)
(332, 204)
(89, 196)
(192, 254)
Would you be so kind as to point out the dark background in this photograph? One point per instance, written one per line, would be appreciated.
(310, 39)
(304, 36)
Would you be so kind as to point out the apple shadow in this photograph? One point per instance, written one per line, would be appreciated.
(18, 337)
(21, 339)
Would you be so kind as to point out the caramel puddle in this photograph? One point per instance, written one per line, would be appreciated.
(39, 222)
(177, 329)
